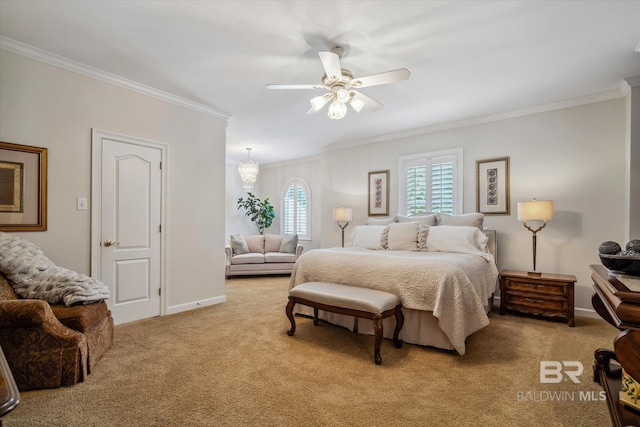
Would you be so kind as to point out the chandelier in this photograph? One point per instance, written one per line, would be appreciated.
(248, 171)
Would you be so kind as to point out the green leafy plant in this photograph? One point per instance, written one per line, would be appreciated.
(260, 211)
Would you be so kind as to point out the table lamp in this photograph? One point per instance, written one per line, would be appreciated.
(342, 214)
(535, 210)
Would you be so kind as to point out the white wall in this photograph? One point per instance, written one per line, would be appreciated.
(49, 107)
(573, 156)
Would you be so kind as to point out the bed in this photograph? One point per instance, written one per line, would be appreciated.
(444, 275)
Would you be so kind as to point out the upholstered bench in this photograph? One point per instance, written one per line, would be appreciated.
(352, 301)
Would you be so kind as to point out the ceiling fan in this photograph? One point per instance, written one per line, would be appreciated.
(341, 86)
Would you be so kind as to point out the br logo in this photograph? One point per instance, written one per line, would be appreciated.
(553, 372)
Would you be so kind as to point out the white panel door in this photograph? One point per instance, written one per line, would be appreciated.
(130, 228)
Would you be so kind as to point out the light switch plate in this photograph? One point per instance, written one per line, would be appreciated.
(82, 203)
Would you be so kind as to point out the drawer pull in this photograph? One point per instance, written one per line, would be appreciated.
(535, 286)
(534, 300)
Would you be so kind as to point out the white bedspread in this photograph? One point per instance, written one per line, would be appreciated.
(454, 286)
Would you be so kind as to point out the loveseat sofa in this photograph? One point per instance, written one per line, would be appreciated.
(51, 345)
(261, 254)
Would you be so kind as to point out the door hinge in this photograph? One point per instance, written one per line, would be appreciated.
(160, 228)
(160, 165)
(159, 291)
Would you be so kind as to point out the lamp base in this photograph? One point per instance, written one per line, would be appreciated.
(534, 273)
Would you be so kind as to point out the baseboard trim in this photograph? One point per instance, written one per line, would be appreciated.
(196, 304)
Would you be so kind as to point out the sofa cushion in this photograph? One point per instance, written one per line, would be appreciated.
(255, 243)
(80, 317)
(279, 257)
(250, 258)
(289, 244)
(272, 242)
(238, 244)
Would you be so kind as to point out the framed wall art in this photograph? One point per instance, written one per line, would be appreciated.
(23, 188)
(379, 193)
(492, 186)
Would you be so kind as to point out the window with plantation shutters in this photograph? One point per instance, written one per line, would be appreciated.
(296, 209)
(431, 182)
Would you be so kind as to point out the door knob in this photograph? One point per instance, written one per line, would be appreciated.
(108, 243)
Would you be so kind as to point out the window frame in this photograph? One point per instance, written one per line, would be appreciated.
(305, 187)
(429, 157)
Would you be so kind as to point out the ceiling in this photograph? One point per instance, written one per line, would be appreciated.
(467, 59)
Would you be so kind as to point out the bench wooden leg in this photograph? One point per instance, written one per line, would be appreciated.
(290, 306)
(399, 322)
(315, 316)
(377, 327)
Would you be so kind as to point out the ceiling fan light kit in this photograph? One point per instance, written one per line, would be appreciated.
(340, 83)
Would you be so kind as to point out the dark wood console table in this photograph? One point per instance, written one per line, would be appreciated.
(619, 306)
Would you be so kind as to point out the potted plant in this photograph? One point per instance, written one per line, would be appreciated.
(260, 211)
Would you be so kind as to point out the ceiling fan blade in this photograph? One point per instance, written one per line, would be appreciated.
(382, 78)
(331, 64)
(312, 111)
(271, 86)
(360, 100)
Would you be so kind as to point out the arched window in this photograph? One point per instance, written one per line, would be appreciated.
(296, 209)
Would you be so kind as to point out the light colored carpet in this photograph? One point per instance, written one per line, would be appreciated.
(234, 365)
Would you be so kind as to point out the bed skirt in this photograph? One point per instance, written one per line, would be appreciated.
(420, 327)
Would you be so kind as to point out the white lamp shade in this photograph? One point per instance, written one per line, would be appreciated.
(342, 214)
(536, 210)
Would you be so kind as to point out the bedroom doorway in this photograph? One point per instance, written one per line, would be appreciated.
(127, 212)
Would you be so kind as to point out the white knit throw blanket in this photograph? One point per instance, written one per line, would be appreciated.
(35, 276)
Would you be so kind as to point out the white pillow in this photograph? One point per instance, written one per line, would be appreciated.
(428, 219)
(458, 239)
(471, 219)
(403, 236)
(367, 236)
(381, 221)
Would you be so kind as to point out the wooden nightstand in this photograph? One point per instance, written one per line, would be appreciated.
(549, 295)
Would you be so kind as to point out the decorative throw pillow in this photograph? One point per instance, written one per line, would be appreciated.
(459, 239)
(428, 219)
(289, 244)
(272, 243)
(238, 244)
(403, 236)
(470, 220)
(367, 236)
(381, 221)
(423, 232)
(255, 243)
(384, 238)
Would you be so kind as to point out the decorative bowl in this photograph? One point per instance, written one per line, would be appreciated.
(621, 264)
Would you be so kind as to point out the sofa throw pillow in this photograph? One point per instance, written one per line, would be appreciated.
(239, 245)
(255, 243)
(289, 244)
(469, 220)
(367, 236)
(272, 242)
(403, 236)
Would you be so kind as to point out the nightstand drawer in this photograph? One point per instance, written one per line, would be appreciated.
(534, 301)
(539, 288)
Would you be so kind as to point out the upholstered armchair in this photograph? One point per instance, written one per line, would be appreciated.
(51, 345)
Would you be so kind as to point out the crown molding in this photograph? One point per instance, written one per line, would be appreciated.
(95, 73)
(574, 102)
